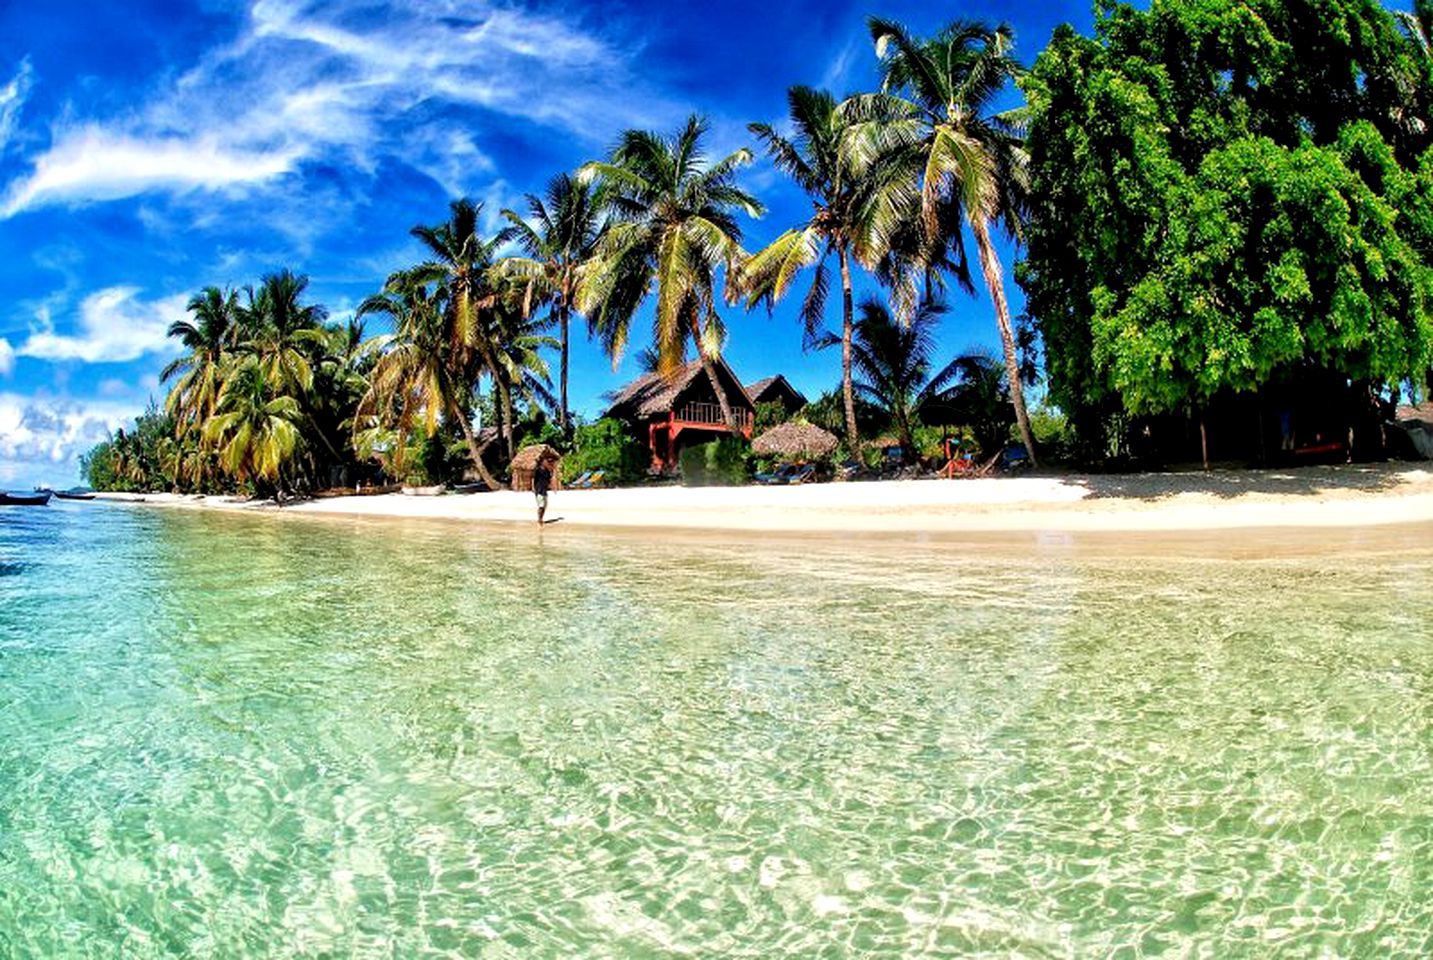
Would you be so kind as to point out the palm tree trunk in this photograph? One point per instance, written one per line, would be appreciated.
(473, 448)
(505, 397)
(562, 404)
(995, 281)
(848, 326)
(728, 417)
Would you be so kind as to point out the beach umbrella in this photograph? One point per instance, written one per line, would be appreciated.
(796, 440)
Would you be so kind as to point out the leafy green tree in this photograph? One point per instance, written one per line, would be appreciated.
(971, 154)
(856, 209)
(606, 445)
(674, 229)
(1225, 195)
(566, 225)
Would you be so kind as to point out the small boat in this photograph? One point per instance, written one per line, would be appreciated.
(436, 490)
(24, 499)
(66, 495)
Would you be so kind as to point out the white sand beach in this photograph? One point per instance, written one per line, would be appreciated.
(1312, 497)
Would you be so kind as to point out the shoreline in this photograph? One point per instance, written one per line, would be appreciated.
(1309, 498)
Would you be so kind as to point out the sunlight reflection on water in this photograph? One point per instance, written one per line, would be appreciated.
(235, 735)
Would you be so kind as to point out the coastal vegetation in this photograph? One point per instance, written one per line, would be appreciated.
(1217, 208)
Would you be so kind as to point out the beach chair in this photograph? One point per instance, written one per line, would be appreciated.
(589, 480)
(803, 474)
(780, 475)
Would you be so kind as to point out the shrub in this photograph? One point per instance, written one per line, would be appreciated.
(721, 463)
(607, 446)
(768, 415)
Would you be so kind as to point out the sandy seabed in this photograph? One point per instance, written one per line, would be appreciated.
(1293, 504)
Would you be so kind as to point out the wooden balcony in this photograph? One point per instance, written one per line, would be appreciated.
(709, 415)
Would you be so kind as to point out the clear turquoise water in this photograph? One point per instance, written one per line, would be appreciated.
(235, 736)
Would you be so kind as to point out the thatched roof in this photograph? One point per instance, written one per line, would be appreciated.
(652, 394)
(777, 385)
(528, 457)
(794, 440)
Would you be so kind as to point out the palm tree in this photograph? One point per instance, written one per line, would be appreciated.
(255, 429)
(567, 226)
(855, 205)
(892, 363)
(520, 360)
(281, 329)
(415, 379)
(463, 265)
(209, 337)
(673, 228)
(970, 154)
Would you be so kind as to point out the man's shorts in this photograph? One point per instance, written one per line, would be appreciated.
(541, 501)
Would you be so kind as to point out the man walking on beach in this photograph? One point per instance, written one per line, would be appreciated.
(541, 480)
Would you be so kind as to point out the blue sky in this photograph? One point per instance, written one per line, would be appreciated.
(150, 148)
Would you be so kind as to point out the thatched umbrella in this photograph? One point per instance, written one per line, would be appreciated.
(795, 440)
(526, 462)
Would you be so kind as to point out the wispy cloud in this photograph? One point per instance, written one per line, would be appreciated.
(7, 358)
(114, 326)
(349, 82)
(97, 164)
(12, 100)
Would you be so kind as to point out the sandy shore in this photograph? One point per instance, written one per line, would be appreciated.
(1312, 497)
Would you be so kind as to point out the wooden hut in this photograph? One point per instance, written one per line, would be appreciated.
(794, 441)
(526, 461)
(672, 413)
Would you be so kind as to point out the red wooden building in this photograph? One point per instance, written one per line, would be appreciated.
(674, 413)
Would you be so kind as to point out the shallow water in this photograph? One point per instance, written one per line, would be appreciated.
(231, 736)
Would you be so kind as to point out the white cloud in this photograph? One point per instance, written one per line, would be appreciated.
(101, 165)
(114, 326)
(41, 438)
(349, 82)
(12, 99)
(7, 357)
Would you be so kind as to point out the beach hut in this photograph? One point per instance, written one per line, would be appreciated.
(672, 413)
(794, 441)
(526, 462)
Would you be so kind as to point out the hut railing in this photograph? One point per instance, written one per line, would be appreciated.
(710, 413)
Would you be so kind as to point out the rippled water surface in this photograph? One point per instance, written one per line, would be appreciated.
(235, 736)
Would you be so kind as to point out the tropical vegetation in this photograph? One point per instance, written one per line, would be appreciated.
(1207, 200)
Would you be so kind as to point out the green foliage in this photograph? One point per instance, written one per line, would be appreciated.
(1227, 193)
(769, 414)
(1053, 432)
(828, 413)
(97, 467)
(721, 463)
(608, 446)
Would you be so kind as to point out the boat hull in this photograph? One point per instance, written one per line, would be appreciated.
(24, 499)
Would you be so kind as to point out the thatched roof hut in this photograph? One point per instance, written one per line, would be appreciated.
(794, 440)
(526, 461)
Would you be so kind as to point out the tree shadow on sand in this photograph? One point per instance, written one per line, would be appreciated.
(1293, 481)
